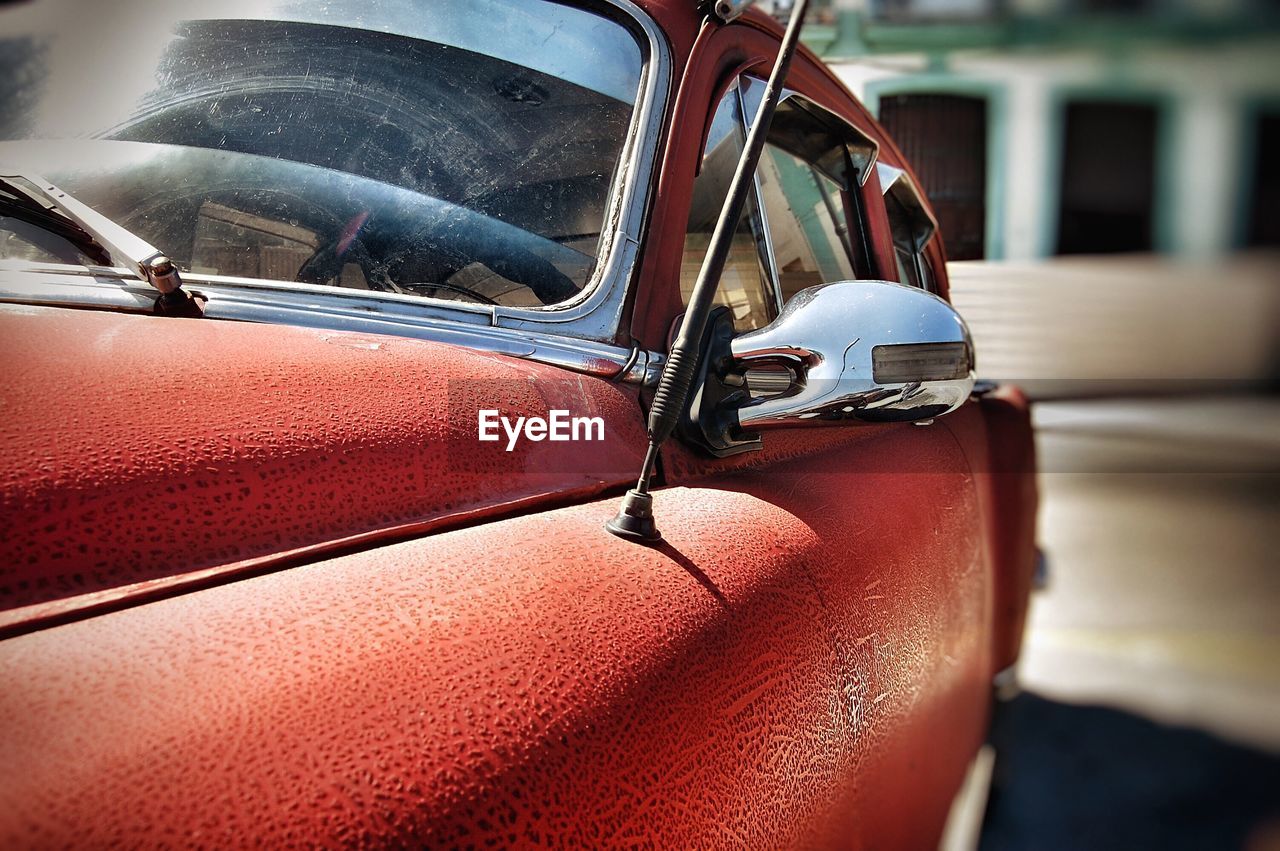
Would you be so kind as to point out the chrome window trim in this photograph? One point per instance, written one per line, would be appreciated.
(752, 91)
(596, 313)
(770, 259)
(104, 288)
(889, 175)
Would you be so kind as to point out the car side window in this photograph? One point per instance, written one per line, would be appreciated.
(745, 287)
(807, 181)
(910, 225)
(808, 228)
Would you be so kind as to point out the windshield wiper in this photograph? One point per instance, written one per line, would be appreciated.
(41, 203)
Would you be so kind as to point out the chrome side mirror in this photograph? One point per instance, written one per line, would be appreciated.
(866, 351)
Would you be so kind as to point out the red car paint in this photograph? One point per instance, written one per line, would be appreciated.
(351, 636)
(263, 441)
(528, 681)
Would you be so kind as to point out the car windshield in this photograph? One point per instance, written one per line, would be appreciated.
(457, 149)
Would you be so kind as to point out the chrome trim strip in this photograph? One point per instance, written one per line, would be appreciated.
(104, 288)
(338, 302)
(770, 259)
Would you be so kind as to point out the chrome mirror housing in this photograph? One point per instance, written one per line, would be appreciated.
(864, 351)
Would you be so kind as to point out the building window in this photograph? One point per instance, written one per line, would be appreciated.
(1263, 228)
(1107, 188)
(945, 138)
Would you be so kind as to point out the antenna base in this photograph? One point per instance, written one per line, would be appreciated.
(634, 520)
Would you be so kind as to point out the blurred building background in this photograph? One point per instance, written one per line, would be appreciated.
(1106, 175)
(1058, 127)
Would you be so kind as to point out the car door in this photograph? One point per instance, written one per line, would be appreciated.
(894, 529)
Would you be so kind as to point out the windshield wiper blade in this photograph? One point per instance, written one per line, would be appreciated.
(103, 237)
(28, 209)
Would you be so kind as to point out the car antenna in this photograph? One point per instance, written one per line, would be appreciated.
(634, 520)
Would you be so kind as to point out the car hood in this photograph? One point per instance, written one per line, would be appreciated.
(143, 454)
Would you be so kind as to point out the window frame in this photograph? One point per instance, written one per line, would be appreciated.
(897, 182)
(750, 92)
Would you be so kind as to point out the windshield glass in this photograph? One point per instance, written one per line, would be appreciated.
(448, 148)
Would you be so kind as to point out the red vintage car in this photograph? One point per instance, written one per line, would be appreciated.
(290, 552)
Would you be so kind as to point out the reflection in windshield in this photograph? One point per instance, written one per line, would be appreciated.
(324, 147)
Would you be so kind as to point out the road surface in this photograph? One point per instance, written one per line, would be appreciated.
(1150, 710)
(1151, 664)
